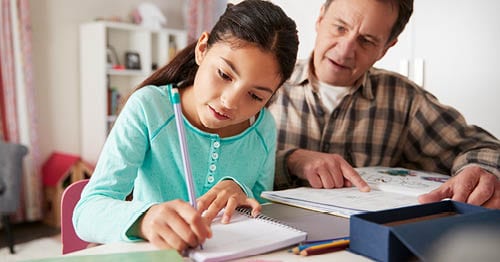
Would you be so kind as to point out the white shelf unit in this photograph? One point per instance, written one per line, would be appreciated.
(96, 77)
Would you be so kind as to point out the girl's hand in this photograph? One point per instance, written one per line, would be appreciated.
(174, 224)
(229, 195)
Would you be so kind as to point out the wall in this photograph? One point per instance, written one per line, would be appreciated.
(55, 27)
(305, 17)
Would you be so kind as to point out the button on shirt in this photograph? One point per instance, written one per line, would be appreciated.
(385, 120)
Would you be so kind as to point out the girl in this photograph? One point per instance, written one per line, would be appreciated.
(225, 79)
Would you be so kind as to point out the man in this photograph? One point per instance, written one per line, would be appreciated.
(338, 112)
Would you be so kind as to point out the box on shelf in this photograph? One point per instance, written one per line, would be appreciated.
(404, 233)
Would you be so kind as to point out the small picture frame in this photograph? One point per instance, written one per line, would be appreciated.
(111, 57)
(132, 60)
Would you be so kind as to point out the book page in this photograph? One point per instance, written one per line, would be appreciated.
(340, 201)
(246, 236)
(391, 188)
(401, 180)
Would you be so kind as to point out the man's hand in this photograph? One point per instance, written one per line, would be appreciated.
(472, 185)
(324, 170)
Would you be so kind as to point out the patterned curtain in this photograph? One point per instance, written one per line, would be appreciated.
(202, 15)
(17, 100)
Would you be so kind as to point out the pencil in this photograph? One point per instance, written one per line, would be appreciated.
(176, 101)
(325, 248)
(296, 250)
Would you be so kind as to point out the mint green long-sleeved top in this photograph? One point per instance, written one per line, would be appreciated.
(142, 154)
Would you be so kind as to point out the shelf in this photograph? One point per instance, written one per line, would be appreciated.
(105, 43)
(126, 72)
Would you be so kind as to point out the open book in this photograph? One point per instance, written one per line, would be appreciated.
(246, 236)
(390, 188)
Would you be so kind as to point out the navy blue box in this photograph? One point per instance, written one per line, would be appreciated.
(404, 233)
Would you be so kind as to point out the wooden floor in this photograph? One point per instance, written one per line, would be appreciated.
(25, 232)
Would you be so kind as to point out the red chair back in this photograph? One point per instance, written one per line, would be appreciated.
(70, 240)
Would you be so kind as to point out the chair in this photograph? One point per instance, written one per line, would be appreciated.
(11, 172)
(70, 240)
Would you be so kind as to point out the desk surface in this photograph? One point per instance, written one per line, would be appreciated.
(280, 255)
(310, 221)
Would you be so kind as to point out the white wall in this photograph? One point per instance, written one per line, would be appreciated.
(55, 27)
(304, 13)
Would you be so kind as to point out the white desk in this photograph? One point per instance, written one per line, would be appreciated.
(280, 255)
(280, 212)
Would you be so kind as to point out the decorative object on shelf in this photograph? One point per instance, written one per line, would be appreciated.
(172, 47)
(114, 102)
(111, 57)
(132, 60)
(149, 15)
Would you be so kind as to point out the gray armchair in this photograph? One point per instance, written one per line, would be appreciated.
(11, 167)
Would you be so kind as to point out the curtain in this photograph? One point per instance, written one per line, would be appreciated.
(202, 15)
(17, 101)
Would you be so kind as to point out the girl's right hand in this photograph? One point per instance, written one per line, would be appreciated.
(174, 224)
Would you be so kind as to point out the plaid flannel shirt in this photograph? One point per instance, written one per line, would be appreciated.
(385, 120)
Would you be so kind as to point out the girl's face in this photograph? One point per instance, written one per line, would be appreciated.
(233, 83)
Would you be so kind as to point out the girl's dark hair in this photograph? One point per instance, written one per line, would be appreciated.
(255, 22)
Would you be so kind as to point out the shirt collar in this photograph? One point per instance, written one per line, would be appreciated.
(300, 75)
(366, 84)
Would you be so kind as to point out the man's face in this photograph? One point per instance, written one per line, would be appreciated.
(351, 36)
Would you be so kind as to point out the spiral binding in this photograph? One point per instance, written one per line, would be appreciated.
(248, 212)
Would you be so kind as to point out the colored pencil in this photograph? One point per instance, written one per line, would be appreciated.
(325, 248)
(296, 250)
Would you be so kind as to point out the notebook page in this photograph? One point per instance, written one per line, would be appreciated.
(246, 236)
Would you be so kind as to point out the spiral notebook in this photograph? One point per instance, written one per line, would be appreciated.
(246, 236)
